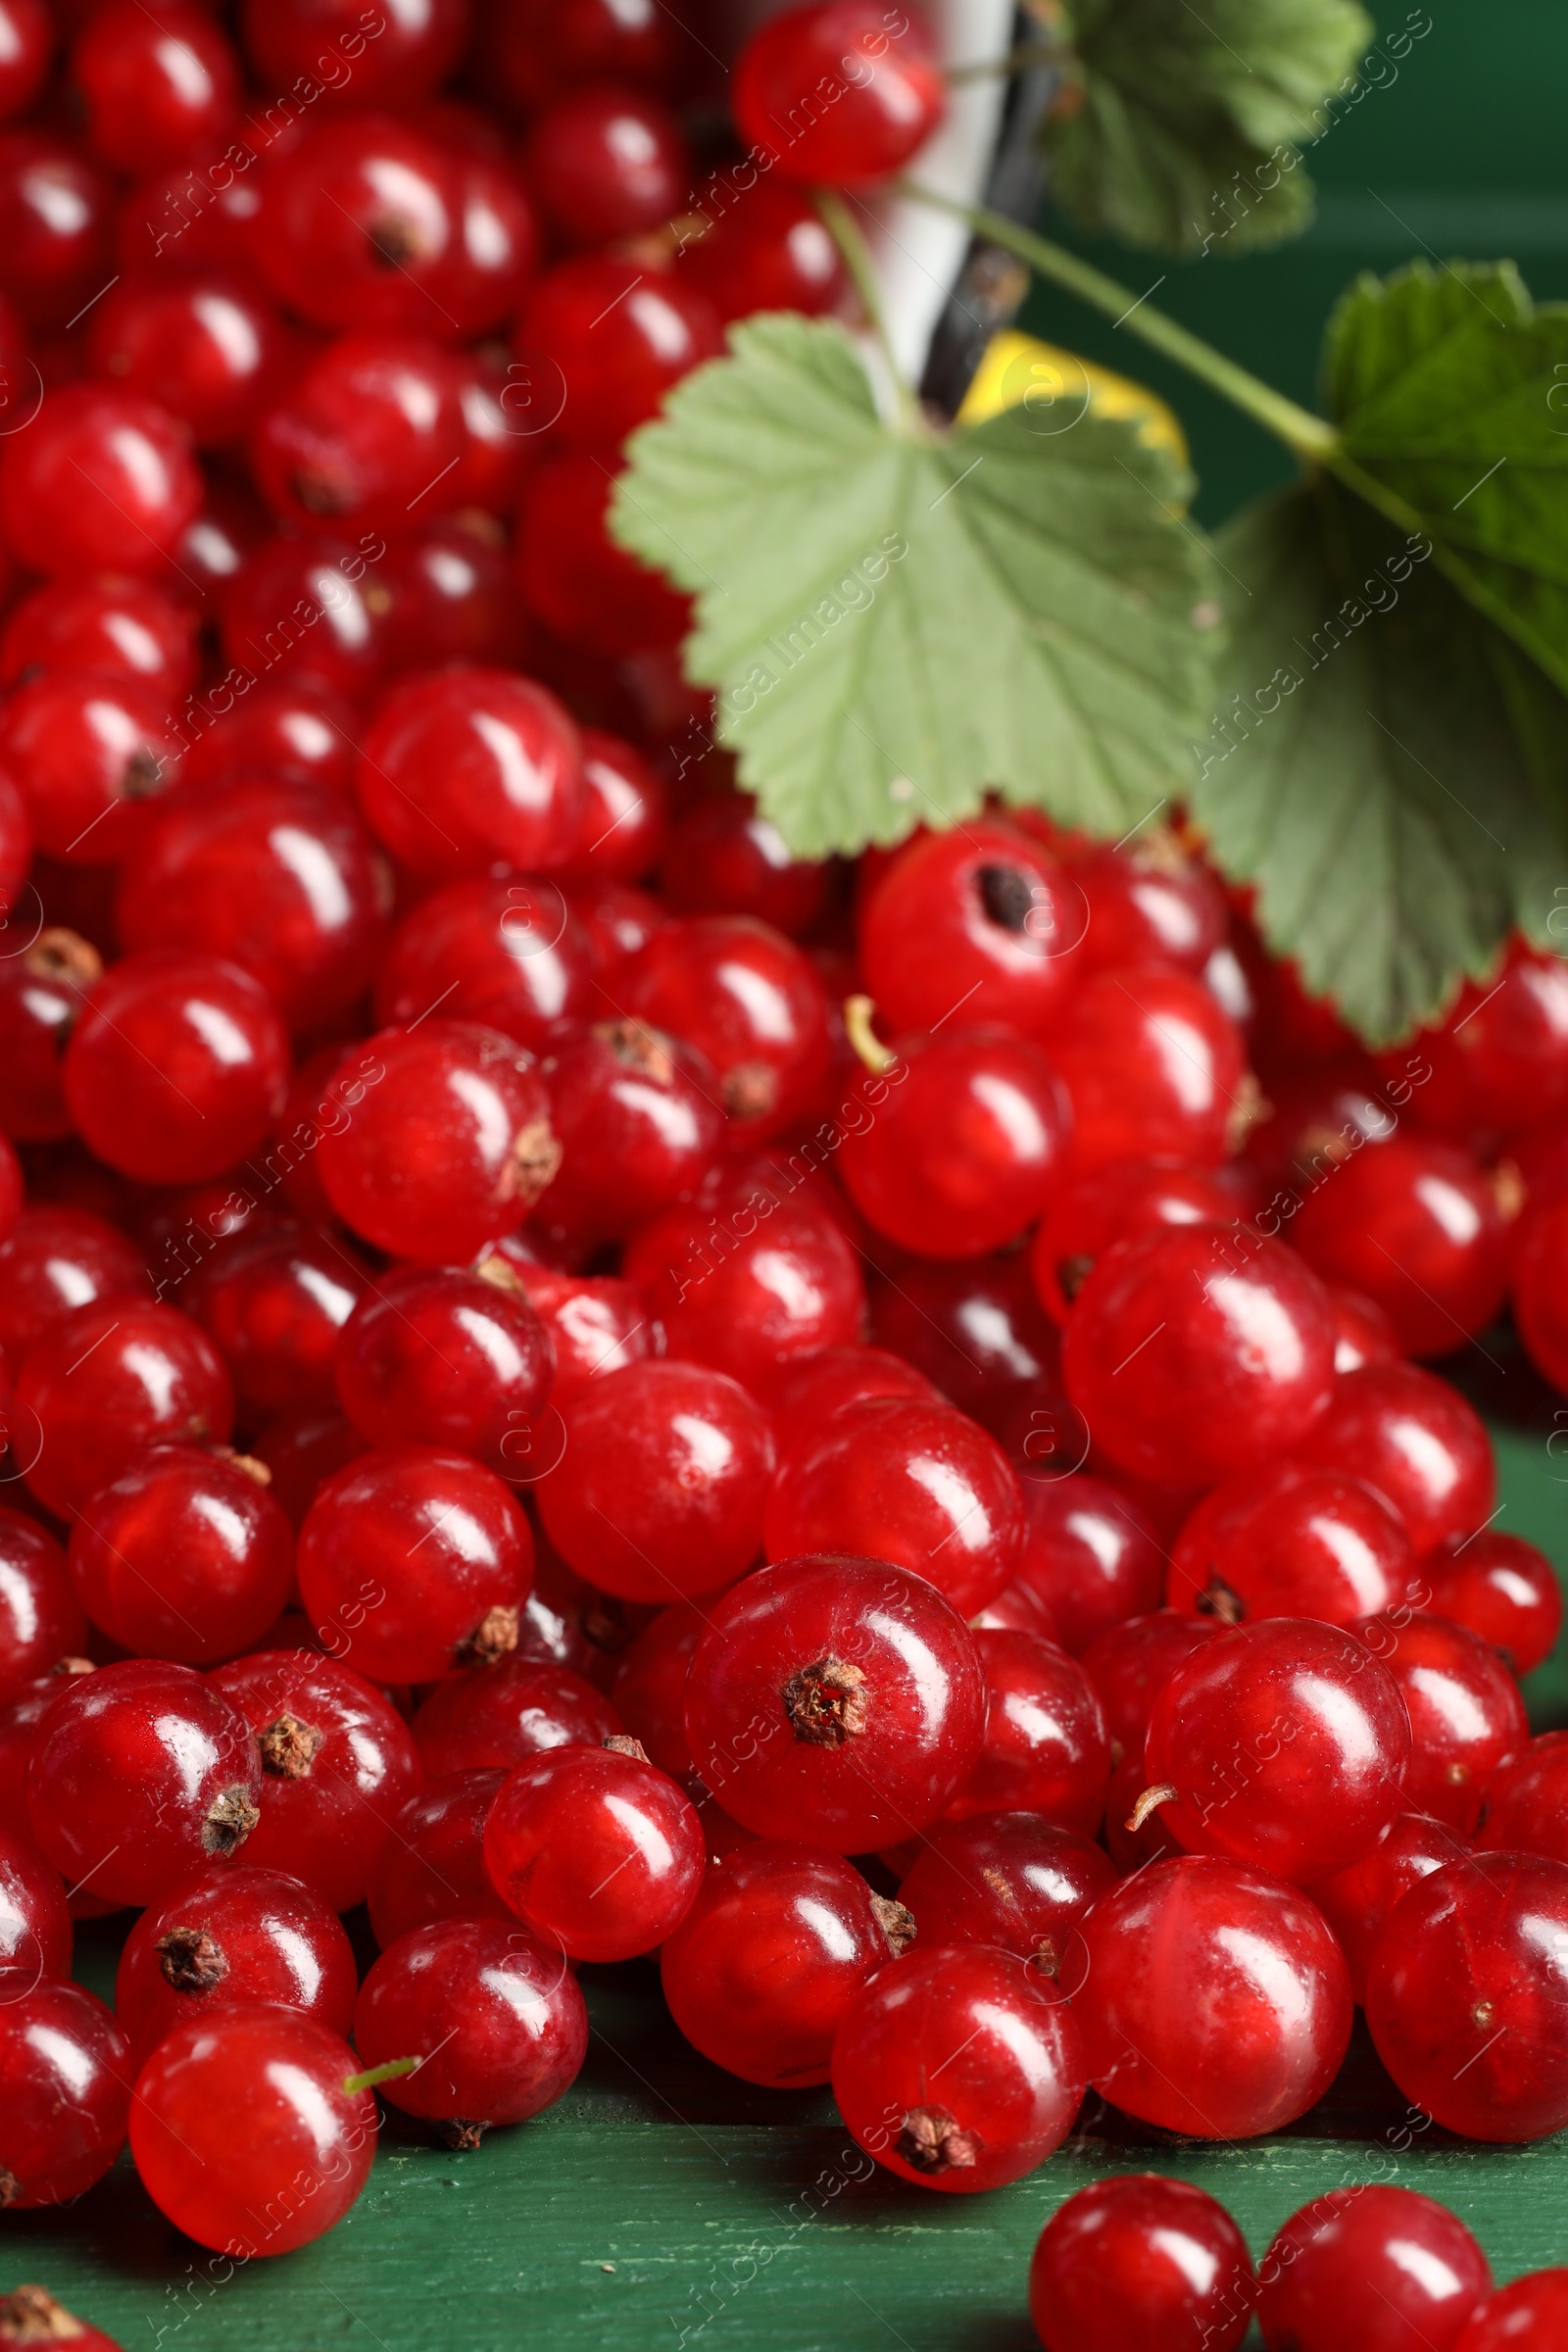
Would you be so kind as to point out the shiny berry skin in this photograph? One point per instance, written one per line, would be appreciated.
(1046, 1749)
(1111, 1204)
(1525, 1807)
(1417, 1443)
(40, 1617)
(20, 1717)
(837, 1699)
(1089, 1553)
(1356, 1901)
(958, 2069)
(724, 858)
(1137, 2260)
(371, 426)
(1541, 1288)
(1129, 1665)
(660, 1487)
(115, 1376)
(584, 587)
(498, 1715)
(750, 1286)
(467, 767)
(451, 594)
(235, 2103)
(25, 41)
(103, 481)
(1215, 2000)
(767, 250)
(139, 1776)
(967, 1148)
(280, 878)
(1415, 1224)
(128, 627)
(1288, 1747)
(1290, 1542)
(432, 1867)
(36, 1932)
(598, 1853)
(538, 47)
(413, 51)
(412, 1561)
(615, 336)
(625, 813)
(894, 1479)
(86, 749)
(1466, 1714)
(750, 1002)
(177, 1066)
(980, 918)
(1502, 1589)
(974, 1327)
(605, 162)
(206, 346)
(359, 225)
(1010, 1879)
(887, 97)
(649, 1690)
(436, 1357)
(449, 1145)
(338, 1764)
(1465, 1993)
(275, 1298)
(597, 1324)
(1529, 2315)
(297, 735)
(40, 998)
(1501, 1057)
(808, 1396)
(54, 227)
(65, 2091)
(311, 611)
(507, 953)
(1194, 1351)
(184, 1556)
(1148, 902)
(497, 2017)
(764, 1963)
(1371, 2268)
(1152, 1067)
(153, 92)
(233, 1935)
(639, 1123)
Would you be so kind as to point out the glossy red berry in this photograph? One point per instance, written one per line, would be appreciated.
(407, 58)
(1010, 1879)
(724, 858)
(837, 1699)
(1113, 1203)
(1465, 1991)
(1415, 1441)
(765, 1961)
(605, 162)
(839, 91)
(24, 46)
(1541, 1288)
(153, 91)
(338, 1764)
(624, 814)
(1135, 2261)
(468, 767)
(1290, 1542)
(233, 1935)
(495, 2016)
(1194, 1351)
(1367, 2269)
(895, 1479)
(598, 1853)
(236, 2105)
(139, 1774)
(365, 434)
(41, 1619)
(1152, 1067)
(412, 1561)
(750, 1002)
(639, 1121)
(115, 1376)
(1130, 1664)
(1415, 1224)
(597, 1324)
(1527, 2316)
(507, 953)
(610, 337)
(184, 1556)
(275, 1298)
(127, 627)
(1357, 1900)
(490, 1716)
(974, 1327)
(766, 249)
(958, 2069)
(86, 748)
(103, 481)
(1502, 1589)
(1525, 1809)
(311, 612)
(433, 1866)
(1046, 1749)
(431, 1357)
(65, 2091)
(983, 918)
(36, 1932)
(20, 1717)
(1466, 1714)
(1212, 1998)
(660, 1480)
(812, 1390)
(751, 1285)
(54, 228)
(206, 346)
(1089, 1553)
(1501, 1057)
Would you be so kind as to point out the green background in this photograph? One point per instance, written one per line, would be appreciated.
(661, 2202)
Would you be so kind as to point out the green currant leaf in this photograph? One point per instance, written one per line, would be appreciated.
(1182, 125)
(1365, 768)
(898, 624)
(1452, 388)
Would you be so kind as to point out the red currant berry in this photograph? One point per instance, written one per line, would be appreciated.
(115, 1376)
(1541, 1288)
(358, 224)
(958, 2069)
(751, 1003)
(500, 1715)
(1416, 1442)
(432, 1866)
(1465, 1991)
(575, 579)
(40, 1617)
(626, 811)
(1466, 1714)
(1010, 1878)
(980, 918)
(836, 1700)
(1195, 1351)
(507, 953)
(613, 337)
(1148, 902)
(751, 1287)
(1130, 1664)
(140, 1774)
(371, 427)
(1089, 1553)
(184, 1556)
(414, 1561)
(65, 2093)
(237, 2112)
(639, 1121)
(812, 1392)
(20, 1718)
(649, 1688)
(275, 1298)
(40, 999)
(306, 609)
(1364, 1333)
(1290, 1542)
(442, 1359)
(768, 251)
(54, 229)
(338, 1763)
(596, 1325)
(1356, 1901)
(1527, 2316)
(206, 346)
(1137, 2261)
(1415, 1224)
(725, 858)
(1213, 1998)
(605, 162)
(1502, 1589)
(894, 1479)
(1152, 1067)
(35, 1930)
(153, 92)
(1501, 1057)
(233, 1935)
(541, 46)
(104, 481)
(884, 98)
(661, 1482)
(410, 57)
(1114, 1204)
(86, 748)
(467, 768)
(598, 1853)
(124, 627)
(974, 1329)
(27, 36)
(297, 736)
(1046, 1749)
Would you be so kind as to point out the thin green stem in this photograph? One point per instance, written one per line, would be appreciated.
(373, 2075)
(1310, 436)
(845, 231)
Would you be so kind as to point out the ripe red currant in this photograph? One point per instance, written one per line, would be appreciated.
(1466, 1714)
(597, 1852)
(233, 1935)
(1137, 2260)
(1502, 1589)
(826, 95)
(1355, 1902)
(184, 1556)
(1012, 1878)
(117, 1375)
(1417, 1443)
(65, 2091)
(500, 1715)
(1290, 1542)
(432, 1865)
(467, 768)
(1361, 2266)
(437, 1357)
(103, 481)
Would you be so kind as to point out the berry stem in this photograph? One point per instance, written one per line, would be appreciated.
(845, 231)
(858, 1015)
(373, 2075)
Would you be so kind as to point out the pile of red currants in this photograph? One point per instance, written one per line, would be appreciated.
(860, 1431)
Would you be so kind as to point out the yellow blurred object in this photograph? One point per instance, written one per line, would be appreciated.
(1059, 388)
